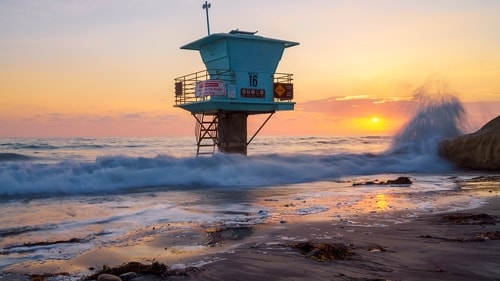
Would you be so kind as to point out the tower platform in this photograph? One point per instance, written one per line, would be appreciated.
(240, 80)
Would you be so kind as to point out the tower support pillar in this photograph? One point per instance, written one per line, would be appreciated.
(232, 132)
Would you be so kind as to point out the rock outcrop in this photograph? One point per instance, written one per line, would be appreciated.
(479, 150)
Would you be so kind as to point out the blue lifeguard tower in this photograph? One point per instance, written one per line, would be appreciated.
(240, 80)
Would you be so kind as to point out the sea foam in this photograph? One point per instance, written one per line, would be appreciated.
(414, 150)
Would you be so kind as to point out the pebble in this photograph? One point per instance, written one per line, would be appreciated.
(108, 277)
(128, 276)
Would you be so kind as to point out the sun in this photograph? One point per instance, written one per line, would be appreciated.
(372, 123)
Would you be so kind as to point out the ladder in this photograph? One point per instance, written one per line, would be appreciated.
(206, 133)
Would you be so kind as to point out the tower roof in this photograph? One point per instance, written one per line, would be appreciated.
(235, 34)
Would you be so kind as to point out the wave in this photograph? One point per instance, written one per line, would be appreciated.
(46, 146)
(14, 157)
(414, 150)
(124, 173)
(438, 115)
(34, 146)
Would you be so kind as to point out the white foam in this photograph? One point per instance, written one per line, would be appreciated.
(123, 173)
(312, 210)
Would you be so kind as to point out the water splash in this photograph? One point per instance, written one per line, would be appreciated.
(439, 114)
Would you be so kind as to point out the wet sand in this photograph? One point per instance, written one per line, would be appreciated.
(428, 248)
(462, 245)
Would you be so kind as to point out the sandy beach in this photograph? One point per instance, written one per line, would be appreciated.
(379, 245)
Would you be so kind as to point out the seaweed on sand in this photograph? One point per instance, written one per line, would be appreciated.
(155, 268)
(324, 251)
(468, 219)
(217, 236)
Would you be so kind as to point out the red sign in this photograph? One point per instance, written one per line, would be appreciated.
(210, 88)
(252, 93)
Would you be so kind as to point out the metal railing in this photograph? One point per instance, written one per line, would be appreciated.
(285, 78)
(185, 86)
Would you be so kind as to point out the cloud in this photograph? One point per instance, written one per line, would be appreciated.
(358, 97)
(329, 116)
(357, 106)
(83, 125)
(134, 116)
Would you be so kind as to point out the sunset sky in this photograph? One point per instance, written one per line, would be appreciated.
(106, 67)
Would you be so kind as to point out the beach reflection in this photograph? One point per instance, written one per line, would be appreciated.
(381, 202)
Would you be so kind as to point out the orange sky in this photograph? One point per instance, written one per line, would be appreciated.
(106, 68)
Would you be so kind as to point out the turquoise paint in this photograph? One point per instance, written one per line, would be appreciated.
(252, 60)
(212, 106)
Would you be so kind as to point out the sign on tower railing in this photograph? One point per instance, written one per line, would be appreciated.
(210, 88)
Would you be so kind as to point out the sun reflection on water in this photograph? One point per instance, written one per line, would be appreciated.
(381, 202)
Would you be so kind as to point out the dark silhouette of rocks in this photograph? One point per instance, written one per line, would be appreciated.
(479, 150)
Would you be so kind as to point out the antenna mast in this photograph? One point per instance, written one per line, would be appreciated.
(206, 6)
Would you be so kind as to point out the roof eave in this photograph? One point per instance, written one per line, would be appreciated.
(197, 44)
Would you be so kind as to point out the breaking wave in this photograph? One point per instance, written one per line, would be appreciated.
(14, 157)
(121, 173)
(438, 115)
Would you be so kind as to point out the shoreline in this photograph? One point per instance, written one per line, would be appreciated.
(462, 245)
(381, 246)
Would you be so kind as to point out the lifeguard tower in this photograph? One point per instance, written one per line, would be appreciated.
(239, 81)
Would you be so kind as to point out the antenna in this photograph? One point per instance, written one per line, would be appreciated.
(206, 6)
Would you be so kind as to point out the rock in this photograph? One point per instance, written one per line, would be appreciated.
(399, 180)
(128, 276)
(108, 277)
(479, 150)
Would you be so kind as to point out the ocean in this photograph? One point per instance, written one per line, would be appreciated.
(60, 197)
